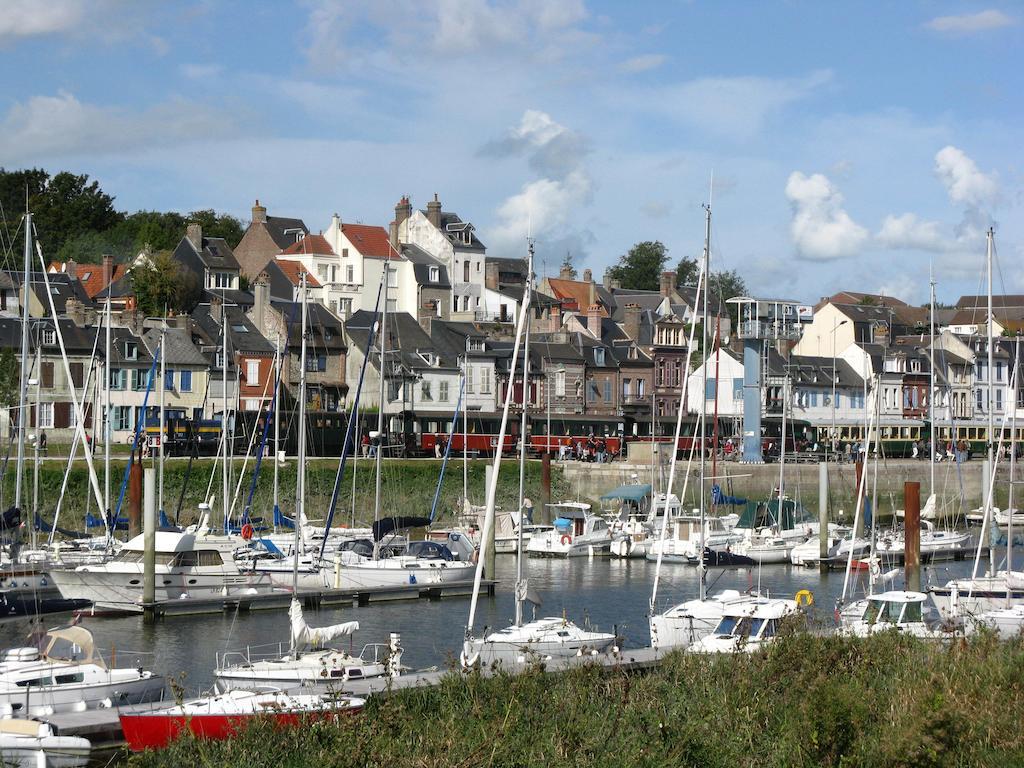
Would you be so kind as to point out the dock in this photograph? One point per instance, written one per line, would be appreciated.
(312, 599)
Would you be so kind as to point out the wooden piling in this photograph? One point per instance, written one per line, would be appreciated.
(134, 499)
(912, 535)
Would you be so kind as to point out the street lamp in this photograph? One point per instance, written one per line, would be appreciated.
(832, 436)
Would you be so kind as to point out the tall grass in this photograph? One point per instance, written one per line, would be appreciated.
(809, 701)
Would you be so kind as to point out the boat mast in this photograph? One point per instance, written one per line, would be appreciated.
(163, 423)
(380, 408)
(931, 385)
(300, 483)
(520, 591)
(1011, 512)
(224, 394)
(991, 391)
(701, 567)
(108, 431)
(276, 405)
(465, 431)
(25, 319)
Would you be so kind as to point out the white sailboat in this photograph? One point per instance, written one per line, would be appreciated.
(545, 638)
(33, 743)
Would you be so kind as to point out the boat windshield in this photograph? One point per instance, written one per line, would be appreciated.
(913, 612)
(736, 626)
(884, 611)
(135, 556)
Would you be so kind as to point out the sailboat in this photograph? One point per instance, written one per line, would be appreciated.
(545, 638)
(995, 590)
(308, 663)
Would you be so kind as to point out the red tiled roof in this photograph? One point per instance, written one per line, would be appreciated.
(576, 291)
(293, 271)
(316, 244)
(91, 277)
(369, 240)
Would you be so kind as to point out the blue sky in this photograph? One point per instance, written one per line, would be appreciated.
(852, 144)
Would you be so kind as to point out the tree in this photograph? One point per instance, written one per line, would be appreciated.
(567, 267)
(163, 285)
(88, 248)
(641, 268)
(68, 206)
(9, 377)
(728, 285)
(222, 225)
(687, 271)
(160, 231)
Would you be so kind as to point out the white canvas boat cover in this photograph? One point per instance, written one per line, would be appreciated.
(305, 636)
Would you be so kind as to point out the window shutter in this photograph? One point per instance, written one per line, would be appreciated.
(76, 374)
(46, 374)
(61, 415)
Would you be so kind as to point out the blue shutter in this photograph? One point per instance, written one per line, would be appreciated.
(186, 381)
(709, 389)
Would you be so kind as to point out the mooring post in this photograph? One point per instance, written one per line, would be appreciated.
(134, 498)
(545, 479)
(149, 562)
(822, 516)
(489, 559)
(912, 535)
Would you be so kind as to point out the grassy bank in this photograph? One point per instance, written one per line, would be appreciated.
(810, 701)
(408, 487)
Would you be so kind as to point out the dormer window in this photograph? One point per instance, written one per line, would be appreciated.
(476, 345)
(435, 274)
(598, 356)
(131, 350)
(49, 336)
(428, 357)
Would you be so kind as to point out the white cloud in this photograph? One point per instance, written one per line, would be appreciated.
(962, 179)
(643, 63)
(29, 18)
(737, 107)
(821, 229)
(902, 286)
(544, 205)
(62, 125)
(970, 23)
(909, 232)
(201, 71)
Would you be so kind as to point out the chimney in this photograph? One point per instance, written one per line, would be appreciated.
(588, 276)
(403, 210)
(194, 233)
(216, 309)
(108, 269)
(591, 288)
(71, 269)
(434, 212)
(259, 213)
(565, 273)
(75, 311)
(427, 317)
(594, 320)
(606, 281)
(491, 275)
(261, 300)
(631, 325)
(554, 318)
(668, 283)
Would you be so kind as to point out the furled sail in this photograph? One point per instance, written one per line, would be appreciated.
(305, 636)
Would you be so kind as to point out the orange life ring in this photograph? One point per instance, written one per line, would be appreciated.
(566, 538)
(247, 531)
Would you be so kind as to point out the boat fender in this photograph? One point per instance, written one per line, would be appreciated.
(247, 531)
(566, 539)
(804, 598)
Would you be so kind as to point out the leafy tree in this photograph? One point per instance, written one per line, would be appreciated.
(641, 268)
(163, 284)
(867, 301)
(9, 377)
(687, 271)
(69, 206)
(160, 231)
(214, 225)
(88, 248)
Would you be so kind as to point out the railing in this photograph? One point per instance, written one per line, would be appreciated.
(758, 329)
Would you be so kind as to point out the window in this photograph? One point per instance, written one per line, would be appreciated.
(334, 273)
(469, 379)
(425, 391)
(315, 364)
(344, 253)
(598, 355)
(131, 350)
(49, 336)
(77, 374)
(122, 418)
(640, 385)
(139, 379)
(435, 275)
(252, 371)
(999, 395)
(252, 404)
(659, 374)
(465, 271)
(559, 383)
(321, 271)
(485, 380)
(350, 274)
(593, 393)
(710, 389)
(46, 375)
(239, 328)
(45, 420)
(392, 278)
(737, 389)
(607, 390)
(346, 308)
(442, 392)
(169, 380)
(999, 370)
(221, 280)
(981, 402)
(185, 381)
(476, 345)
(627, 388)
(116, 378)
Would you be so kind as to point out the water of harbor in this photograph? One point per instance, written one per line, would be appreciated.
(608, 592)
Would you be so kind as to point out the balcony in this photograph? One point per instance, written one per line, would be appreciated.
(759, 329)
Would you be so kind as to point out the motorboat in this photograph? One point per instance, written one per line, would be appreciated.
(1007, 622)
(308, 664)
(421, 562)
(972, 597)
(185, 570)
(839, 545)
(934, 543)
(577, 532)
(683, 543)
(222, 715)
(69, 675)
(899, 611)
(765, 548)
(684, 624)
(27, 743)
(538, 640)
(747, 627)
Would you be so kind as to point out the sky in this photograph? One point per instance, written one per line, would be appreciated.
(842, 145)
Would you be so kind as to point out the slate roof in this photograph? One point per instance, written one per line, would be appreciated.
(249, 340)
(326, 330)
(805, 370)
(178, 347)
(283, 230)
(421, 264)
(452, 227)
(216, 253)
(62, 287)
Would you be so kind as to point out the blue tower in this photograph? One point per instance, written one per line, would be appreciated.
(761, 321)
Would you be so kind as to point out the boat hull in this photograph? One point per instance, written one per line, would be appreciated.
(49, 751)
